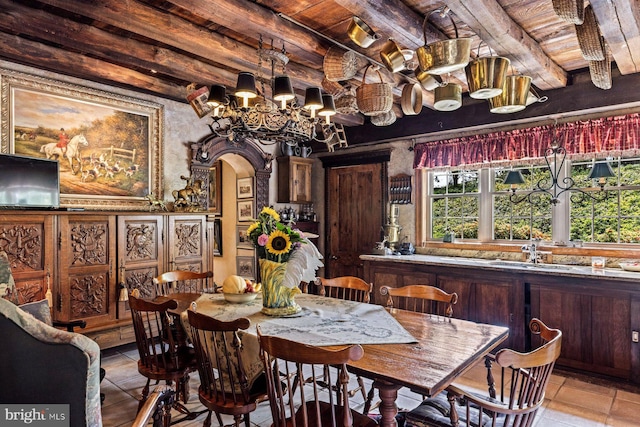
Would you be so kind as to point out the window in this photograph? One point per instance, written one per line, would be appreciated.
(460, 201)
(454, 203)
(615, 219)
(521, 221)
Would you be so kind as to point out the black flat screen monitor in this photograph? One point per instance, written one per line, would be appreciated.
(29, 182)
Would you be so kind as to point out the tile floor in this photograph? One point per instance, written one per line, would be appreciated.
(571, 400)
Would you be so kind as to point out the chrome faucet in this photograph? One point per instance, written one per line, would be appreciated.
(532, 250)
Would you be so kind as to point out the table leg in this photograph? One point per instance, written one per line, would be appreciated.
(388, 393)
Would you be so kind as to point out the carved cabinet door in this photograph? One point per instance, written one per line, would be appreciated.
(29, 241)
(187, 245)
(86, 273)
(141, 255)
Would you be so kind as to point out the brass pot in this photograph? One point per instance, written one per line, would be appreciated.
(392, 56)
(444, 56)
(513, 97)
(448, 97)
(485, 76)
(361, 33)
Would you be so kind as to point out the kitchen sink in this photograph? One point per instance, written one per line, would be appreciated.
(530, 265)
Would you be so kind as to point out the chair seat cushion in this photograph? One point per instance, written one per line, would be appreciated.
(435, 412)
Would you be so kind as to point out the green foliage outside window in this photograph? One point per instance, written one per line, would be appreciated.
(617, 218)
(455, 204)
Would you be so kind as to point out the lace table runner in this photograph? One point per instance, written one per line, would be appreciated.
(322, 321)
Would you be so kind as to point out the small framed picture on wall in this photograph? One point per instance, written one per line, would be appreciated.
(246, 267)
(245, 210)
(217, 237)
(245, 188)
(242, 238)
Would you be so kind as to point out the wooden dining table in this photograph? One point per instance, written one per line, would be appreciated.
(441, 350)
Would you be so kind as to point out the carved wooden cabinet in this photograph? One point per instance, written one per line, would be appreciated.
(29, 242)
(141, 256)
(148, 245)
(294, 179)
(86, 274)
(87, 256)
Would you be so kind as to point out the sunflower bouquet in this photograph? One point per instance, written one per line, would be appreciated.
(272, 239)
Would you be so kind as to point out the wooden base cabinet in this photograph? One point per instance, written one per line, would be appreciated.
(596, 323)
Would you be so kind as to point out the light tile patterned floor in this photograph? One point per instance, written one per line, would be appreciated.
(571, 401)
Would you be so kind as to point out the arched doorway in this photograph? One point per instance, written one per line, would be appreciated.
(210, 148)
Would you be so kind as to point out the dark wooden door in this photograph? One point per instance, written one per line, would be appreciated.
(355, 214)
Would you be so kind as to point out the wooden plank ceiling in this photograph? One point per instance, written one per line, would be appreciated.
(160, 47)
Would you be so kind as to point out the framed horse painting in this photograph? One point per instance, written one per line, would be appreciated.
(109, 146)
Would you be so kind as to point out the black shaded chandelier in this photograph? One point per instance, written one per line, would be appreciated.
(249, 114)
(552, 186)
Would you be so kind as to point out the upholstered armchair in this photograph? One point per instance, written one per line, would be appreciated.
(41, 364)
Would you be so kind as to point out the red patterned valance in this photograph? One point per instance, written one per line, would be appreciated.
(617, 135)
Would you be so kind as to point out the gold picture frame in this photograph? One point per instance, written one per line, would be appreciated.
(118, 160)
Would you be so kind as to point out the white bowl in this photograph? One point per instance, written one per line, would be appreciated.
(630, 266)
(240, 298)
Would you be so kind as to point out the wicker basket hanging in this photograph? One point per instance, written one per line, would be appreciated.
(589, 37)
(570, 10)
(384, 119)
(374, 98)
(339, 64)
(601, 72)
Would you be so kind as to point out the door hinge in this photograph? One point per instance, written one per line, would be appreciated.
(635, 336)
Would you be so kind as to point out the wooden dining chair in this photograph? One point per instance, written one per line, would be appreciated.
(345, 287)
(182, 281)
(161, 358)
(524, 378)
(224, 385)
(420, 298)
(300, 404)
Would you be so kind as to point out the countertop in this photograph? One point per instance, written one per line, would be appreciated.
(514, 266)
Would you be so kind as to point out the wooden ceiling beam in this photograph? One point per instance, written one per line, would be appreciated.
(82, 66)
(180, 33)
(619, 23)
(255, 20)
(40, 25)
(492, 24)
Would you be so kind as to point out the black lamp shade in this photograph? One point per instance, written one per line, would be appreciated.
(514, 177)
(601, 170)
(246, 86)
(282, 89)
(328, 106)
(217, 95)
(313, 98)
